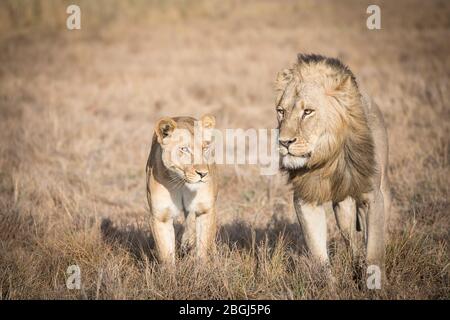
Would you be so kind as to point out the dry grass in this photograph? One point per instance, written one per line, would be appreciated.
(76, 117)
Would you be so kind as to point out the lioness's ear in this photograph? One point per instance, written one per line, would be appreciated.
(164, 128)
(208, 121)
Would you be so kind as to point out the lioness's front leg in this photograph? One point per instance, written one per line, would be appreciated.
(313, 222)
(205, 232)
(164, 235)
(188, 237)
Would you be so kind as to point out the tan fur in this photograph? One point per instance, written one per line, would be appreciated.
(333, 146)
(344, 161)
(175, 187)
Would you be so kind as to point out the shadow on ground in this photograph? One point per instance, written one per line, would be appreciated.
(242, 235)
(239, 235)
(138, 242)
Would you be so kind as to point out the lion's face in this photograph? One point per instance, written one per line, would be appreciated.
(324, 130)
(185, 157)
(303, 116)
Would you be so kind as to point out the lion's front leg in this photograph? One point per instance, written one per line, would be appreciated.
(205, 232)
(313, 222)
(375, 235)
(345, 214)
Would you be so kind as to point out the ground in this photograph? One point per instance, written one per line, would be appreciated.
(77, 110)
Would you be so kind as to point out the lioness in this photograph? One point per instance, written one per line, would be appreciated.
(177, 182)
(333, 146)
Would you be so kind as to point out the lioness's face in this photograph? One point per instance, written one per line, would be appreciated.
(301, 122)
(184, 156)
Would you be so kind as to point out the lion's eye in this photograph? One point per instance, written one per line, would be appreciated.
(184, 149)
(307, 112)
(280, 112)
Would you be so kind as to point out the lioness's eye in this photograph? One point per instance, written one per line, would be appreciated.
(184, 149)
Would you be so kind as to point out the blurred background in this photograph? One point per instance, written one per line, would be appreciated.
(77, 109)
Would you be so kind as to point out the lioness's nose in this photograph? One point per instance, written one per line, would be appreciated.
(202, 174)
(287, 143)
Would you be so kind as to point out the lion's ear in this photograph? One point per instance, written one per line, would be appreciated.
(164, 128)
(341, 85)
(284, 75)
(345, 84)
(208, 121)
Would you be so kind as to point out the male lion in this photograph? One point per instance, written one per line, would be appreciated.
(178, 182)
(333, 146)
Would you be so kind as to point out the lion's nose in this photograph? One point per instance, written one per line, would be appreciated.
(201, 174)
(287, 143)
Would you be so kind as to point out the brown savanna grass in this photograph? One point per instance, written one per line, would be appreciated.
(76, 116)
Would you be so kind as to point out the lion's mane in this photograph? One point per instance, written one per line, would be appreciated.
(344, 163)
